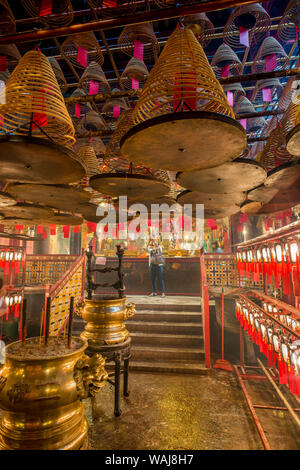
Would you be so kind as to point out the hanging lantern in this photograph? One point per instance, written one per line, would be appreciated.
(270, 56)
(225, 62)
(60, 11)
(82, 49)
(201, 26)
(93, 80)
(139, 41)
(135, 74)
(190, 107)
(247, 25)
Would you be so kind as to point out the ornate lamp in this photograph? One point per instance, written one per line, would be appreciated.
(252, 20)
(225, 62)
(183, 99)
(201, 26)
(79, 43)
(139, 39)
(7, 21)
(62, 9)
(110, 8)
(135, 74)
(270, 56)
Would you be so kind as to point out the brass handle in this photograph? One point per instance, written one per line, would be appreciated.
(89, 375)
(129, 310)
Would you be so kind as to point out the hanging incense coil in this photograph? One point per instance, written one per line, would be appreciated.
(236, 89)
(7, 20)
(226, 58)
(112, 103)
(88, 156)
(286, 31)
(88, 42)
(58, 74)
(135, 69)
(4, 76)
(270, 47)
(124, 123)
(244, 106)
(253, 18)
(182, 99)
(94, 73)
(143, 33)
(201, 26)
(275, 152)
(92, 121)
(273, 84)
(79, 92)
(95, 142)
(61, 14)
(12, 54)
(109, 8)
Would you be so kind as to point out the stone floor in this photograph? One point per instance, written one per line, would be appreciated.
(168, 412)
(168, 300)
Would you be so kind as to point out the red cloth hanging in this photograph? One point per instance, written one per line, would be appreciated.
(185, 94)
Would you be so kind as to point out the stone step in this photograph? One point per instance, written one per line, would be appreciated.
(175, 367)
(167, 316)
(142, 353)
(168, 307)
(155, 339)
(164, 327)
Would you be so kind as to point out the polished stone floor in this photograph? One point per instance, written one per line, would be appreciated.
(167, 300)
(173, 412)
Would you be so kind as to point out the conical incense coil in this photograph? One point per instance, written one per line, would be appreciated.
(58, 74)
(256, 124)
(95, 142)
(32, 91)
(114, 105)
(269, 156)
(291, 126)
(94, 73)
(109, 8)
(201, 26)
(143, 33)
(286, 31)
(71, 106)
(272, 84)
(86, 41)
(236, 89)
(253, 18)
(225, 62)
(7, 20)
(88, 156)
(270, 56)
(92, 121)
(134, 70)
(62, 9)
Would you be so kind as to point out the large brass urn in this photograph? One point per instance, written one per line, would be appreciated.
(105, 321)
(40, 392)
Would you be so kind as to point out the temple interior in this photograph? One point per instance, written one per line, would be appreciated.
(149, 225)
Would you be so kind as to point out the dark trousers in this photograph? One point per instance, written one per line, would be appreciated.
(157, 271)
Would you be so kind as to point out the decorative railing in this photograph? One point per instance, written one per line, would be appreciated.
(46, 269)
(205, 310)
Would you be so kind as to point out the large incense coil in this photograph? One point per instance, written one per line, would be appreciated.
(143, 33)
(7, 20)
(270, 46)
(135, 69)
(71, 106)
(112, 8)
(236, 89)
(95, 73)
(87, 41)
(95, 142)
(92, 121)
(183, 100)
(286, 30)
(274, 152)
(33, 88)
(201, 26)
(252, 17)
(88, 156)
(244, 106)
(27, 211)
(58, 74)
(273, 84)
(111, 103)
(62, 9)
(283, 176)
(225, 56)
(291, 124)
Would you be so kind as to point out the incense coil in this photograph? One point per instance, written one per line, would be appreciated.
(223, 57)
(143, 33)
(58, 74)
(95, 142)
(12, 53)
(71, 106)
(88, 156)
(95, 73)
(275, 153)
(4, 76)
(62, 9)
(270, 46)
(111, 103)
(88, 42)
(286, 30)
(201, 26)
(182, 64)
(33, 88)
(135, 69)
(92, 121)
(122, 7)
(257, 15)
(7, 20)
(236, 89)
(272, 83)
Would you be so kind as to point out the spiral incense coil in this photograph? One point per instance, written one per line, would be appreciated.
(270, 47)
(58, 74)
(286, 31)
(201, 26)
(88, 42)
(71, 106)
(95, 73)
(109, 8)
(272, 83)
(92, 122)
(12, 53)
(7, 20)
(108, 107)
(143, 33)
(252, 17)
(32, 91)
(61, 14)
(88, 156)
(95, 142)
(236, 89)
(226, 57)
(135, 69)
(274, 152)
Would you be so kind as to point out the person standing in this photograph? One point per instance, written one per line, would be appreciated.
(156, 264)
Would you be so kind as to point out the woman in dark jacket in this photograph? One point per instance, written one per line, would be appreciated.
(156, 264)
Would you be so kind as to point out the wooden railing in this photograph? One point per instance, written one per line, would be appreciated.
(46, 269)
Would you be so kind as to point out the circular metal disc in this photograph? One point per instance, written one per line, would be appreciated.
(35, 160)
(283, 176)
(6, 200)
(237, 176)
(134, 186)
(262, 194)
(272, 194)
(217, 200)
(293, 141)
(27, 211)
(184, 141)
(64, 219)
(61, 197)
(251, 207)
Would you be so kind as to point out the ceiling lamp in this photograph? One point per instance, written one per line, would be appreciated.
(58, 74)
(247, 26)
(201, 26)
(37, 131)
(225, 62)
(270, 56)
(135, 74)
(139, 41)
(82, 49)
(93, 80)
(111, 8)
(183, 100)
(53, 13)
(286, 30)
(7, 20)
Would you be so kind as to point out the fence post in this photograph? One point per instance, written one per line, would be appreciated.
(205, 312)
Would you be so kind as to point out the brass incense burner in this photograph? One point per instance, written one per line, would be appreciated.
(40, 392)
(105, 321)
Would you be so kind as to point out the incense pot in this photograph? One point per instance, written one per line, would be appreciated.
(40, 394)
(105, 321)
